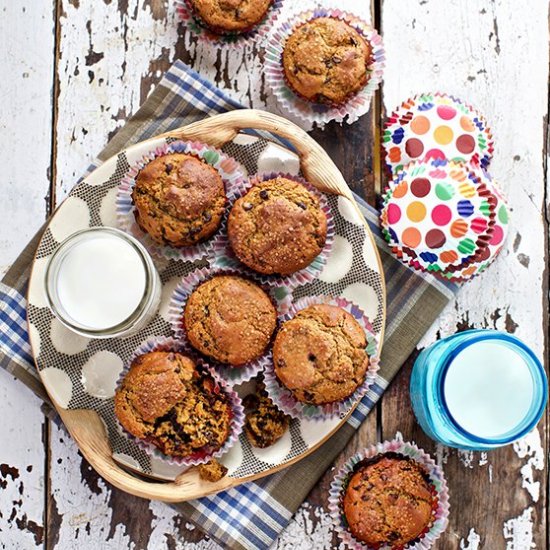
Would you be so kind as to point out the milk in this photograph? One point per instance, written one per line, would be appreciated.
(101, 281)
(488, 389)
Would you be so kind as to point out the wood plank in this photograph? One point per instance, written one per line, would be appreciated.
(26, 58)
(498, 499)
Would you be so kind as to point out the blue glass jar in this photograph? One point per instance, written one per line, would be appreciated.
(478, 390)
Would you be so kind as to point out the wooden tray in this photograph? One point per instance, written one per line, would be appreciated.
(86, 426)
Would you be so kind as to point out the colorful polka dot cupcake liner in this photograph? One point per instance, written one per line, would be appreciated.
(401, 448)
(283, 397)
(228, 168)
(233, 40)
(290, 102)
(436, 126)
(222, 255)
(231, 374)
(164, 343)
(440, 214)
(486, 256)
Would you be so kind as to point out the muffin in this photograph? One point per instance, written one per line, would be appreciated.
(230, 16)
(388, 500)
(230, 319)
(278, 227)
(212, 471)
(326, 61)
(179, 200)
(319, 354)
(166, 401)
(264, 424)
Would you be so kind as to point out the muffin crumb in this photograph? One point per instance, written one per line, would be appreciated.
(212, 471)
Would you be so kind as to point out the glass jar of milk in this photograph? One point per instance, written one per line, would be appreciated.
(102, 283)
(478, 390)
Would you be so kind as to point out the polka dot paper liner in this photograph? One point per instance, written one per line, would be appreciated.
(233, 40)
(164, 343)
(438, 214)
(436, 126)
(485, 257)
(396, 447)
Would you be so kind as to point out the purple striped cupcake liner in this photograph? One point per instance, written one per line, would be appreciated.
(228, 168)
(164, 343)
(289, 101)
(284, 398)
(221, 254)
(405, 449)
(232, 40)
(233, 375)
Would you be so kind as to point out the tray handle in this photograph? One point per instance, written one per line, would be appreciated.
(317, 167)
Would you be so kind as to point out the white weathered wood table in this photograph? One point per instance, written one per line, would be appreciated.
(73, 70)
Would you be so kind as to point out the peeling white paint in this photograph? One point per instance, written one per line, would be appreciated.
(518, 531)
(530, 448)
(473, 541)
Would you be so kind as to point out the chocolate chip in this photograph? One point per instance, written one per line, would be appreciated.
(281, 363)
(247, 206)
(264, 195)
(353, 41)
(336, 59)
(168, 167)
(177, 370)
(383, 477)
(393, 535)
(207, 216)
(309, 396)
(301, 205)
(311, 357)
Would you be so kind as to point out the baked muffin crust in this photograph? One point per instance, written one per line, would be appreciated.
(236, 16)
(230, 319)
(166, 401)
(278, 227)
(388, 501)
(325, 60)
(179, 200)
(319, 355)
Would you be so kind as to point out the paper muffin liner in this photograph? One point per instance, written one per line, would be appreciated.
(221, 254)
(405, 449)
(289, 101)
(494, 246)
(230, 39)
(164, 343)
(233, 375)
(453, 201)
(228, 168)
(283, 397)
(436, 125)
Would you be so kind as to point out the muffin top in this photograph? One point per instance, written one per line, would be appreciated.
(325, 60)
(179, 199)
(231, 15)
(320, 354)
(278, 227)
(388, 501)
(166, 401)
(230, 319)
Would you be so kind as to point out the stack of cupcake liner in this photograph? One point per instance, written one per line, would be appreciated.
(442, 211)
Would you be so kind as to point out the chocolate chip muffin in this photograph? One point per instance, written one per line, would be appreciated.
(212, 471)
(326, 61)
(165, 400)
(179, 200)
(264, 424)
(389, 500)
(230, 319)
(230, 16)
(278, 227)
(319, 355)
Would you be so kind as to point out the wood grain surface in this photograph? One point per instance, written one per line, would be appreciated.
(73, 70)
